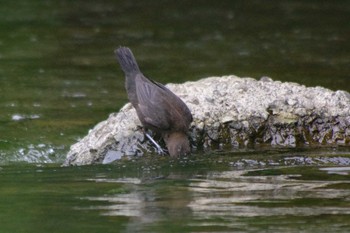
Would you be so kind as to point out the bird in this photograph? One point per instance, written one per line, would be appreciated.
(158, 108)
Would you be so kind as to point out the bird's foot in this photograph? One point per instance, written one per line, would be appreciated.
(159, 148)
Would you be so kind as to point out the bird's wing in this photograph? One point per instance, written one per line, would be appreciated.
(152, 103)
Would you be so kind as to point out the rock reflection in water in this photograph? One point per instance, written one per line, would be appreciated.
(229, 194)
(123, 204)
(226, 200)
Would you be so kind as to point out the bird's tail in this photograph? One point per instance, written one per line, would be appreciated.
(127, 60)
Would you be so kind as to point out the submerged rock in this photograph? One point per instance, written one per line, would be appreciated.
(230, 112)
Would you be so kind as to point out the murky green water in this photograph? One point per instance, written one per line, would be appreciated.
(58, 78)
(203, 193)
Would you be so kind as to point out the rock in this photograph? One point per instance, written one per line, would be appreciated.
(230, 112)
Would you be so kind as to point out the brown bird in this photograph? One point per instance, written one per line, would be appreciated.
(157, 107)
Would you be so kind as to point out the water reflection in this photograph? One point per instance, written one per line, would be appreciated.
(222, 199)
(337, 170)
(19, 117)
(143, 202)
(122, 205)
(231, 194)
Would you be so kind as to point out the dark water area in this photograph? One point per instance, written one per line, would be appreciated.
(59, 77)
(206, 193)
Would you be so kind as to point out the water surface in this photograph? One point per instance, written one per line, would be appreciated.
(203, 193)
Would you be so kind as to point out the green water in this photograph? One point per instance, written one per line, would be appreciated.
(203, 193)
(59, 77)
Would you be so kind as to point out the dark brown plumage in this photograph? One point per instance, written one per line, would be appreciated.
(157, 107)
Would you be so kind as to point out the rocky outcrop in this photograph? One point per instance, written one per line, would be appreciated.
(230, 112)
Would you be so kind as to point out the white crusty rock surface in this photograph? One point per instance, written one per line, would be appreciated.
(230, 112)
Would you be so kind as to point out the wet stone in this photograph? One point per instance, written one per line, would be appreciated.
(230, 112)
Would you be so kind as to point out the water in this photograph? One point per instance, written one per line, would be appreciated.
(203, 193)
(59, 77)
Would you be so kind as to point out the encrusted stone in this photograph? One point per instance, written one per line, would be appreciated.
(231, 112)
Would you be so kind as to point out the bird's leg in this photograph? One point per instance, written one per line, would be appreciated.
(159, 148)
